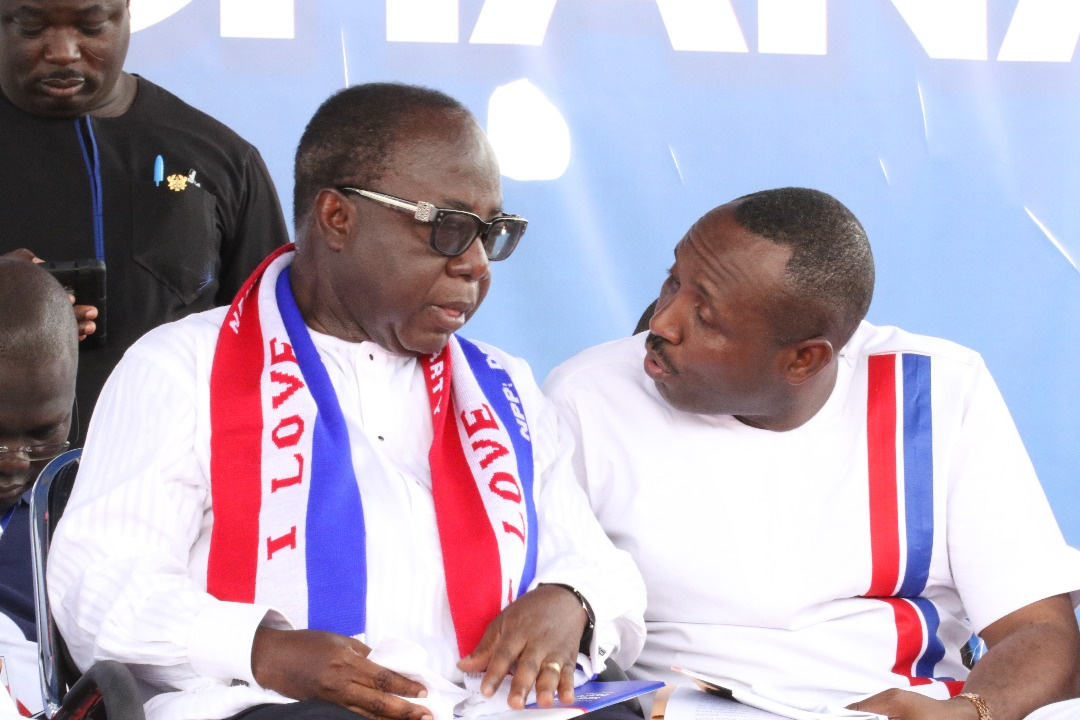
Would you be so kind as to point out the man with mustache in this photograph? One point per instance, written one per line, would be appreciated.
(97, 163)
(823, 509)
(273, 489)
(38, 356)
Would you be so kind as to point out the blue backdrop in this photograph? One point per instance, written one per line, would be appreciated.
(947, 126)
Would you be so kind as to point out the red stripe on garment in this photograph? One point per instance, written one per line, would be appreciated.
(881, 461)
(955, 687)
(470, 549)
(909, 640)
(236, 446)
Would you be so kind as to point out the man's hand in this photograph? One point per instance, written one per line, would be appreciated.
(906, 705)
(536, 633)
(316, 665)
(1033, 660)
(85, 316)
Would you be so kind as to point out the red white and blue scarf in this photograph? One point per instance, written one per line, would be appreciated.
(900, 459)
(288, 516)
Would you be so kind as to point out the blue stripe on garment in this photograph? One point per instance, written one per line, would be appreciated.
(334, 531)
(935, 649)
(99, 205)
(92, 162)
(918, 474)
(492, 382)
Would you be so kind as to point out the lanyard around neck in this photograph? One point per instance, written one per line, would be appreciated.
(84, 131)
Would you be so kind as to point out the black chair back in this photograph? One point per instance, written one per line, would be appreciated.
(643, 321)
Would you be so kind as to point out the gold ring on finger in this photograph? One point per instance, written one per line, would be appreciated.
(554, 666)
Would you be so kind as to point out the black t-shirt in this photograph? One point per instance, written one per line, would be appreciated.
(179, 236)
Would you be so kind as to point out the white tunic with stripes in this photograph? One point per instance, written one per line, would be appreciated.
(128, 567)
(854, 553)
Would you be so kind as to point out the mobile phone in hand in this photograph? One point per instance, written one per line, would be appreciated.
(85, 279)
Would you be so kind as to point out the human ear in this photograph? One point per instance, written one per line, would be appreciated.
(334, 216)
(807, 359)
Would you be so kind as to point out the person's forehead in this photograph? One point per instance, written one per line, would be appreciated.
(31, 401)
(451, 162)
(726, 254)
(43, 374)
(50, 7)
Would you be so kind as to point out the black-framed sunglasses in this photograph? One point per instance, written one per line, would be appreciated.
(453, 231)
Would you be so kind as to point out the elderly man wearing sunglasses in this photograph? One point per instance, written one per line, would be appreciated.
(324, 471)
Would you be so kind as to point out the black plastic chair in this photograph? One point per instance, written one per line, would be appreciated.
(106, 690)
(643, 321)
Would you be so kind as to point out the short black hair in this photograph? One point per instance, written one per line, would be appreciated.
(350, 138)
(830, 276)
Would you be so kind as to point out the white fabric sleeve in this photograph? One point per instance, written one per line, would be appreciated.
(7, 706)
(1006, 550)
(125, 577)
(573, 549)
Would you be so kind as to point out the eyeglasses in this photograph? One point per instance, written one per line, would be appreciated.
(35, 453)
(453, 231)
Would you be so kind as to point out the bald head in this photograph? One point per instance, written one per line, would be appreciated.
(37, 321)
(39, 340)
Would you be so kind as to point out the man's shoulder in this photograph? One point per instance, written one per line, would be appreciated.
(613, 362)
(872, 339)
(169, 110)
(603, 358)
(189, 336)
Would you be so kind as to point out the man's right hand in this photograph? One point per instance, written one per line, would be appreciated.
(317, 665)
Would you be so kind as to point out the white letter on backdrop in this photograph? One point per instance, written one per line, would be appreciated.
(1045, 30)
(258, 19)
(513, 22)
(947, 29)
(792, 27)
(706, 25)
(145, 13)
(434, 21)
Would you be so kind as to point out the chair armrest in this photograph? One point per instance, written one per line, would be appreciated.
(107, 682)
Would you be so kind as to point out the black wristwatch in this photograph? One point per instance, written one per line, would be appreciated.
(586, 636)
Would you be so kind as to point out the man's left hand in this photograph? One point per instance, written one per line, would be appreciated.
(534, 635)
(905, 705)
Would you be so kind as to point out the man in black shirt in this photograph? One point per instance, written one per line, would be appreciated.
(99, 163)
